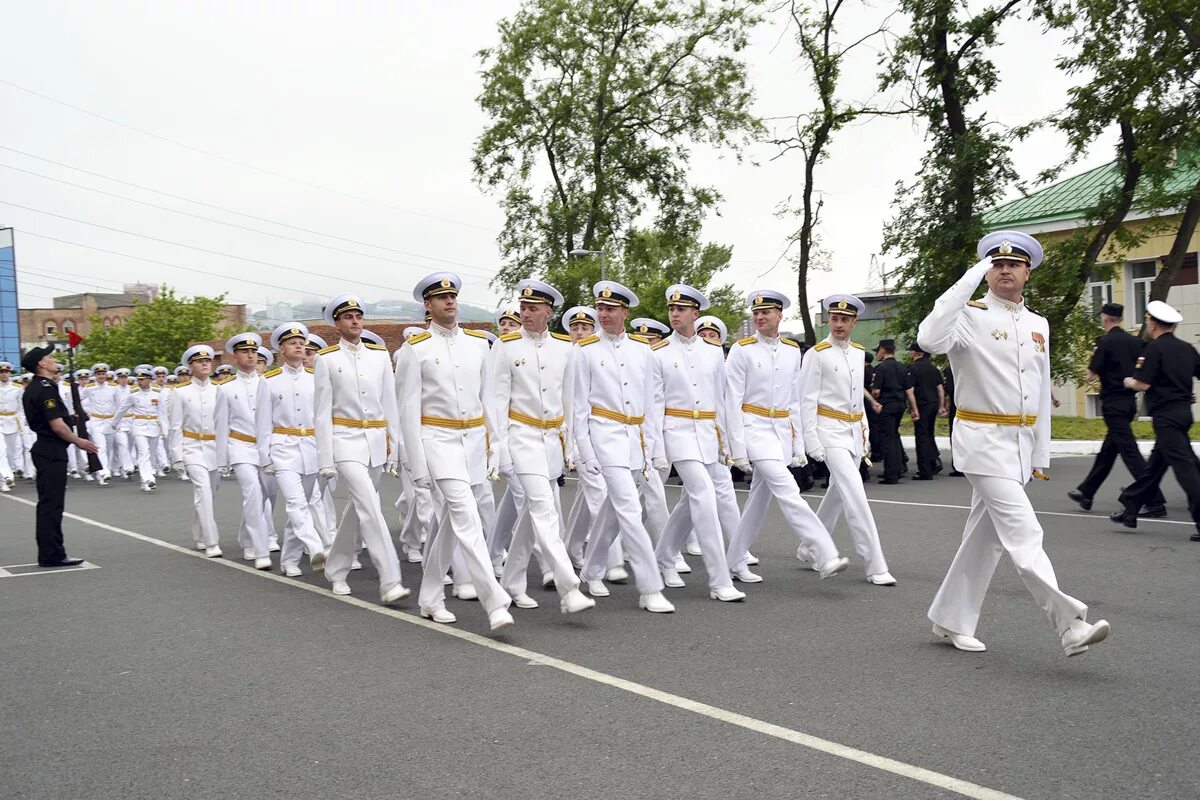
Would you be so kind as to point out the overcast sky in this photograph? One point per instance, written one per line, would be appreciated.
(377, 107)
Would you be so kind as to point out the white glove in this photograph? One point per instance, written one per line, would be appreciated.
(493, 474)
(225, 472)
(983, 264)
(423, 482)
(328, 473)
(392, 468)
(743, 464)
(800, 460)
(591, 467)
(817, 453)
(269, 468)
(179, 467)
(661, 464)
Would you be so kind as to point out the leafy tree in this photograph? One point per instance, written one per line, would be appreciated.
(157, 332)
(943, 67)
(594, 106)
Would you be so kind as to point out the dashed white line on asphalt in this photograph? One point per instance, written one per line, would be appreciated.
(882, 763)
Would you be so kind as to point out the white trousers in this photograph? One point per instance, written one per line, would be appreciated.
(701, 511)
(253, 532)
(368, 522)
(846, 495)
(772, 479)
(324, 513)
(105, 438)
(589, 499)
(508, 511)
(145, 447)
(301, 532)
(539, 523)
(159, 455)
(13, 457)
(654, 503)
(1001, 520)
(204, 487)
(622, 513)
(463, 529)
(727, 510)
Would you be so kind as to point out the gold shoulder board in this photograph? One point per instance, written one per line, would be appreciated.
(420, 337)
(976, 304)
(790, 342)
(375, 347)
(588, 340)
(822, 346)
(473, 332)
(272, 372)
(657, 345)
(509, 337)
(329, 349)
(562, 337)
(637, 338)
(857, 345)
(748, 340)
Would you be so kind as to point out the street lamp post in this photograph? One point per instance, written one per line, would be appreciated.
(603, 259)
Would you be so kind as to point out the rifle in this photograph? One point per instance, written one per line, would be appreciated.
(81, 417)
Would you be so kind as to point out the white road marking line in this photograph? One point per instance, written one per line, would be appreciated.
(882, 763)
(4, 573)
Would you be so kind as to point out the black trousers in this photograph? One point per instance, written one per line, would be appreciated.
(1172, 448)
(874, 426)
(1118, 441)
(52, 496)
(889, 440)
(926, 445)
(951, 413)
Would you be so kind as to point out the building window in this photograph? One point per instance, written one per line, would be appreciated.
(1142, 275)
(51, 329)
(1099, 290)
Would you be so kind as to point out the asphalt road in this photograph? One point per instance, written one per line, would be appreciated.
(166, 675)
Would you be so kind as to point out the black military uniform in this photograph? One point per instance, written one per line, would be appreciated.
(1169, 365)
(926, 378)
(43, 403)
(1113, 361)
(891, 383)
(873, 424)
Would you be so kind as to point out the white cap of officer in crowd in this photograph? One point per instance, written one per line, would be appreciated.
(575, 314)
(681, 294)
(195, 353)
(645, 326)
(1159, 311)
(535, 291)
(611, 293)
(844, 304)
(761, 299)
(1011, 246)
(288, 330)
(161, 371)
(341, 304)
(100, 367)
(266, 355)
(709, 323)
(243, 341)
(143, 371)
(438, 283)
(511, 312)
(371, 337)
(315, 342)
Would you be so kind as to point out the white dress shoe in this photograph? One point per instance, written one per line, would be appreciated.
(291, 572)
(262, 563)
(341, 587)
(833, 566)
(575, 601)
(201, 546)
(413, 555)
(655, 603)
(968, 643)
(355, 564)
(273, 545)
(317, 562)
(693, 549)
(397, 592)
(439, 615)
(548, 580)
(682, 566)
(524, 601)
(727, 594)
(597, 589)
(746, 576)
(1077, 638)
(248, 554)
(500, 619)
(466, 592)
(616, 575)
(447, 580)
(213, 552)
(671, 579)
(146, 487)
(751, 560)
(882, 579)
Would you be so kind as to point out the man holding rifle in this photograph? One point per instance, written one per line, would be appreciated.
(48, 418)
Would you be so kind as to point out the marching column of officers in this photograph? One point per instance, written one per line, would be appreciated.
(456, 409)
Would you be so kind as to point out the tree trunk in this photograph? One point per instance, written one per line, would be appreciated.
(1179, 248)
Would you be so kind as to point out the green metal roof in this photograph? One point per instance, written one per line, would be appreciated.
(1071, 198)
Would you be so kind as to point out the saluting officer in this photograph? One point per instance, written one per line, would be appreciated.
(1165, 371)
(47, 417)
(1000, 353)
(1112, 362)
(835, 430)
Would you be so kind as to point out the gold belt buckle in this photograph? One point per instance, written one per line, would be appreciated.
(1024, 420)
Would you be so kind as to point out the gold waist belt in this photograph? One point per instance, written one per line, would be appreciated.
(8, 413)
(830, 413)
(763, 411)
(143, 416)
(454, 424)
(200, 437)
(243, 437)
(1021, 420)
(534, 422)
(294, 431)
(684, 413)
(346, 422)
(101, 416)
(616, 416)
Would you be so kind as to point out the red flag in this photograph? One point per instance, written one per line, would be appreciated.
(74, 339)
